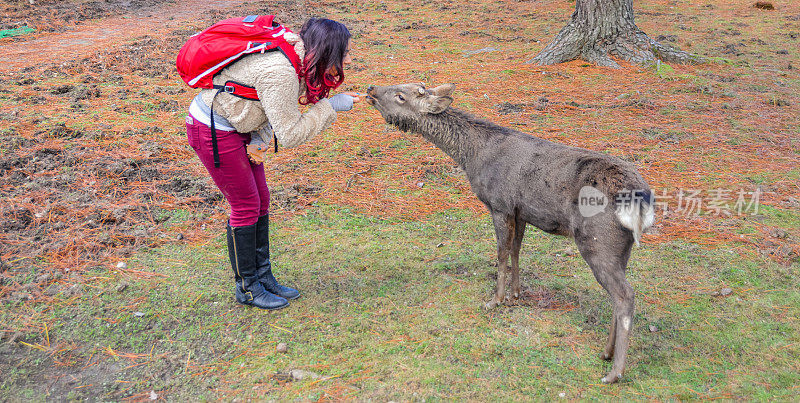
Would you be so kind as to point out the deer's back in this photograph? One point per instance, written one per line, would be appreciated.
(540, 180)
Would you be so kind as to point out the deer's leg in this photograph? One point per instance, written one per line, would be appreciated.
(504, 232)
(622, 296)
(608, 258)
(608, 351)
(519, 233)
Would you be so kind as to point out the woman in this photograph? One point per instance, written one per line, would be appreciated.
(323, 46)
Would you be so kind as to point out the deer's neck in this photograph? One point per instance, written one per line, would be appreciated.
(455, 132)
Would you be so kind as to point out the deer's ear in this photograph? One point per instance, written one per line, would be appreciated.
(444, 90)
(439, 105)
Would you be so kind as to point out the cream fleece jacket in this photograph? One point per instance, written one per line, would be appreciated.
(275, 80)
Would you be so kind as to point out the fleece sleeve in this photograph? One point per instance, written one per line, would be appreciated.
(277, 89)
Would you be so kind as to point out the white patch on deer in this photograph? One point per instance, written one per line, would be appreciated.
(649, 217)
(637, 217)
(628, 214)
(626, 323)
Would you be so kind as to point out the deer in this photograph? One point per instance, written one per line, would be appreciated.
(599, 200)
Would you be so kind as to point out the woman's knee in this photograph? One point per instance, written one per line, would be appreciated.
(242, 216)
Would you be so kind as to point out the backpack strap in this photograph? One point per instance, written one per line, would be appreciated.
(242, 91)
(238, 90)
(214, 146)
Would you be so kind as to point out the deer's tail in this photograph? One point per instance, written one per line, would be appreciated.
(636, 211)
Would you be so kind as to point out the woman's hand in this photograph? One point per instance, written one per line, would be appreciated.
(257, 148)
(344, 101)
(356, 96)
(257, 152)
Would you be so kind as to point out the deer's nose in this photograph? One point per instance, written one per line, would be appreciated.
(371, 90)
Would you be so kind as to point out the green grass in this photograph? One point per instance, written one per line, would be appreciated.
(785, 218)
(392, 310)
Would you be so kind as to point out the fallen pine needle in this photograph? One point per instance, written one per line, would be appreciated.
(323, 380)
(36, 346)
(280, 328)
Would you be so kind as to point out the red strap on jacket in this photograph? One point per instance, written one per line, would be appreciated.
(238, 90)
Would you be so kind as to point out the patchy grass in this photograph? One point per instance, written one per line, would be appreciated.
(392, 309)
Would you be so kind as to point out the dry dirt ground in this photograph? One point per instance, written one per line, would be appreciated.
(94, 167)
(114, 175)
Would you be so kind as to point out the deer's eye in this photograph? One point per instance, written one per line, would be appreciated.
(400, 97)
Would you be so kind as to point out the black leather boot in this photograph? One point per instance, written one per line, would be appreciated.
(264, 266)
(242, 252)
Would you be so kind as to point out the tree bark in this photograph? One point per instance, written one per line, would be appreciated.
(600, 29)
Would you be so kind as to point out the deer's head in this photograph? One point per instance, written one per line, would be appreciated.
(409, 101)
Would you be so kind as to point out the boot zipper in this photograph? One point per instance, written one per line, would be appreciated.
(236, 258)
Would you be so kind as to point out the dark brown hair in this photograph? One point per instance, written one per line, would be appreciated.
(326, 46)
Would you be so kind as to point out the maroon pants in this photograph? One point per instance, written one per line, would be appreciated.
(242, 183)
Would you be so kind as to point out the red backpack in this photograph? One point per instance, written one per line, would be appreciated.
(206, 53)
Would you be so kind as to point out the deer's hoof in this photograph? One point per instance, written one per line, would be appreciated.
(612, 377)
(491, 304)
(606, 355)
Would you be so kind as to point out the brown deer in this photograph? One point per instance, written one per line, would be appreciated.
(599, 200)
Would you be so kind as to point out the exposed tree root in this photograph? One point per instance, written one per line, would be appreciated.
(576, 41)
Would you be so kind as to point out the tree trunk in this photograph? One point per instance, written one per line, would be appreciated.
(603, 28)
